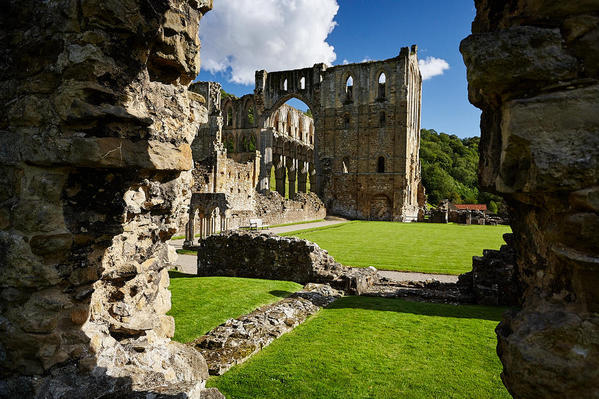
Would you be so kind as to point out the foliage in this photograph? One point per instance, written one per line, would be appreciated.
(224, 94)
(201, 303)
(308, 112)
(449, 168)
(417, 247)
(362, 347)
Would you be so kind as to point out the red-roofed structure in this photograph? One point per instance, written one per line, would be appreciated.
(471, 207)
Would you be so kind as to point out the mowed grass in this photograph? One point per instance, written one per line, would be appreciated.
(417, 247)
(364, 347)
(201, 303)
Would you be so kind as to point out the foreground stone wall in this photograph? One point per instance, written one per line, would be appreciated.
(262, 255)
(95, 134)
(533, 69)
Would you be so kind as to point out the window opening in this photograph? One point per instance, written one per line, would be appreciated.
(381, 165)
(382, 82)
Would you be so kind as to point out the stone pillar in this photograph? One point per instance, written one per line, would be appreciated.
(190, 230)
(533, 70)
(312, 173)
(291, 175)
(302, 177)
(266, 160)
(280, 174)
(84, 303)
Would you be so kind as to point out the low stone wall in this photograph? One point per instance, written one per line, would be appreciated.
(272, 208)
(494, 277)
(236, 340)
(263, 255)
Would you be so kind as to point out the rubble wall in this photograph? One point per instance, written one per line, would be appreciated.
(533, 70)
(95, 137)
(262, 255)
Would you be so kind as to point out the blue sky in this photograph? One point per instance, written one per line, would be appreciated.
(272, 34)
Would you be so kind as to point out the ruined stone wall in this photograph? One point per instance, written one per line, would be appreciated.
(533, 70)
(367, 136)
(262, 255)
(209, 133)
(272, 208)
(95, 154)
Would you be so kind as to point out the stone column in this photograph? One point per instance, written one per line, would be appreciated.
(280, 174)
(291, 175)
(266, 159)
(533, 71)
(312, 173)
(190, 230)
(302, 177)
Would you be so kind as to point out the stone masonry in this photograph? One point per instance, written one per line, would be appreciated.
(367, 133)
(95, 134)
(267, 256)
(533, 70)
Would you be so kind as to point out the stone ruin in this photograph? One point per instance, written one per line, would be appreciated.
(95, 148)
(360, 151)
(227, 154)
(533, 70)
(95, 137)
(268, 256)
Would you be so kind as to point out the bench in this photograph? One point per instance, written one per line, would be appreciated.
(256, 224)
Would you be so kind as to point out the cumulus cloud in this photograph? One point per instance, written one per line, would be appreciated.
(247, 35)
(432, 66)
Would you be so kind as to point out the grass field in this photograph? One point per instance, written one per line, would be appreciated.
(201, 303)
(364, 347)
(419, 247)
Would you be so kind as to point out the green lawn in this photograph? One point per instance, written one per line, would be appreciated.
(201, 303)
(364, 347)
(419, 247)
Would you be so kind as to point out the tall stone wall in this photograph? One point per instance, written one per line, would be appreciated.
(367, 132)
(533, 69)
(95, 134)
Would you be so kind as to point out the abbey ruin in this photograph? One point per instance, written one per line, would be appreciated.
(104, 149)
(358, 153)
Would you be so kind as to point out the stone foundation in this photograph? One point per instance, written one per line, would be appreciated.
(238, 339)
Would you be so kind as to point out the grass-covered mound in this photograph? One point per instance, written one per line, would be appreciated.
(201, 303)
(377, 348)
(418, 247)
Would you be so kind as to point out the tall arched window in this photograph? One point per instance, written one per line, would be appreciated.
(382, 82)
(349, 88)
(285, 85)
(380, 167)
(382, 119)
(345, 165)
(250, 116)
(303, 83)
(230, 116)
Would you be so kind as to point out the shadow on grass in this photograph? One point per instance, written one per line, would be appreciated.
(492, 313)
(174, 274)
(280, 293)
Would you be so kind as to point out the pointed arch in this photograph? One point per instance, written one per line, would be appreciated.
(382, 79)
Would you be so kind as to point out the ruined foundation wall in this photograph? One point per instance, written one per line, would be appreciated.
(95, 137)
(262, 255)
(533, 69)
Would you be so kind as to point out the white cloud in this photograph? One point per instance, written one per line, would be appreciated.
(345, 61)
(248, 35)
(431, 66)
